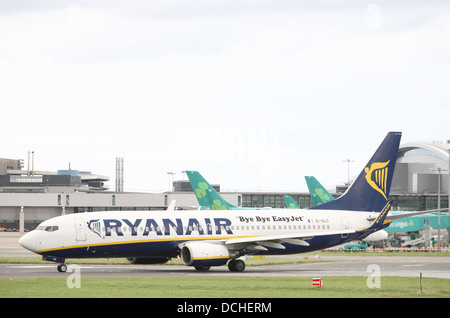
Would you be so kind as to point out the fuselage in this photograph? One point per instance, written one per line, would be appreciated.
(160, 233)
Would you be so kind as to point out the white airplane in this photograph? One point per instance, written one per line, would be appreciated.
(203, 238)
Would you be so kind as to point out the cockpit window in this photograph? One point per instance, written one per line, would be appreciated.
(52, 228)
(47, 228)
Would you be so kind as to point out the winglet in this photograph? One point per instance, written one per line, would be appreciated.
(172, 205)
(381, 222)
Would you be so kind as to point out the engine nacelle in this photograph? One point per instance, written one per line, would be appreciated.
(377, 236)
(204, 254)
(147, 260)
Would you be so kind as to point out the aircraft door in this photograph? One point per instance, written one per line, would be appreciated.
(80, 229)
(345, 226)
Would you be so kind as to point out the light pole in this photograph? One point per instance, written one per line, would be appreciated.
(439, 171)
(348, 169)
(170, 173)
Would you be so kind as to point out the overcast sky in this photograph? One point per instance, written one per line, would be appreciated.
(253, 94)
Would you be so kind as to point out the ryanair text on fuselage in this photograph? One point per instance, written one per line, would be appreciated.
(164, 227)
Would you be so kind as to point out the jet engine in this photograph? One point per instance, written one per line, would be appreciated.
(377, 236)
(147, 260)
(204, 255)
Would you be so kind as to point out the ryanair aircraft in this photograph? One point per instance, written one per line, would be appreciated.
(203, 239)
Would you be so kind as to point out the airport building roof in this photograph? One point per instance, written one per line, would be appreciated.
(420, 166)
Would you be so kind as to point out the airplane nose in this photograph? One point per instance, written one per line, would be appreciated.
(28, 241)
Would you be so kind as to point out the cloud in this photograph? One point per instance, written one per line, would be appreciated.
(104, 78)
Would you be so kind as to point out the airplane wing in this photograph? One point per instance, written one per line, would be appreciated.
(405, 215)
(276, 241)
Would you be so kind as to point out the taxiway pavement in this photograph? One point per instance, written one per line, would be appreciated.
(409, 266)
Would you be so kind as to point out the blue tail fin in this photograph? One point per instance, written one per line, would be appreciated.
(370, 191)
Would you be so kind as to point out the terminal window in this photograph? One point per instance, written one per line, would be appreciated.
(29, 179)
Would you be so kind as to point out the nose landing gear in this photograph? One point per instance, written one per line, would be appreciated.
(62, 268)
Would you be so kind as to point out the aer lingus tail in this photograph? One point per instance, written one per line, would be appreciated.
(290, 202)
(319, 195)
(206, 195)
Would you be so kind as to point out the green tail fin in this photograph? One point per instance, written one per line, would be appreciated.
(319, 194)
(206, 195)
(290, 203)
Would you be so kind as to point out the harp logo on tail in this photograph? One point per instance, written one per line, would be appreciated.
(376, 176)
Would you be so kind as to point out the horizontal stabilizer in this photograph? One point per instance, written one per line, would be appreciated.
(408, 214)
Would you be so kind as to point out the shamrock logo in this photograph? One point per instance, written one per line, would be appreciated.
(323, 196)
(217, 205)
(200, 192)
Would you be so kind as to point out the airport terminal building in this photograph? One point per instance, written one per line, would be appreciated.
(28, 196)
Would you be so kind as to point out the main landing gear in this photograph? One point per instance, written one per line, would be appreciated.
(236, 265)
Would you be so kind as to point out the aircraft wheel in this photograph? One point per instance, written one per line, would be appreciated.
(62, 268)
(236, 265)
(230, 265)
